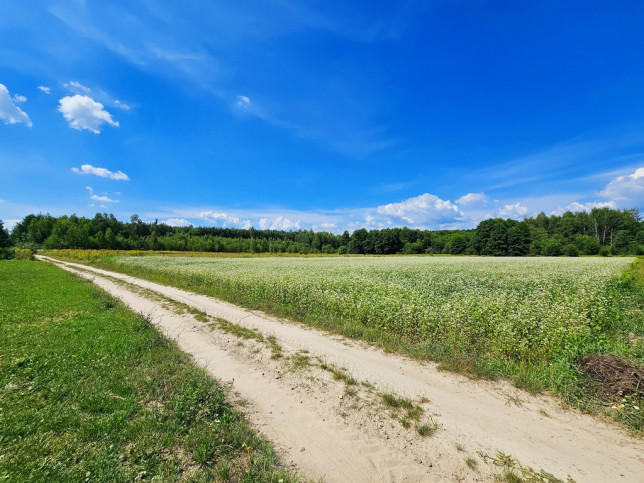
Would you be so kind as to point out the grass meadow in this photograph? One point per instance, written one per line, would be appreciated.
(529, 320)
(89, 391)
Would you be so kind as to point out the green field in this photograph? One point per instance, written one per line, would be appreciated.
(90, 391)
(526, 319)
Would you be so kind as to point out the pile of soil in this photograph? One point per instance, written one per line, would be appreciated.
(616, 375)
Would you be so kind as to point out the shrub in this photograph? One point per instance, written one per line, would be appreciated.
(571, 250)
(23, 254)
(604, 251)
(552, 249)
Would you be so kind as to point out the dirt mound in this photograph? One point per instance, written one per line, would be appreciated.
(617, 376)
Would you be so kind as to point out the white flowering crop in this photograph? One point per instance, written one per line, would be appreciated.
(524, 309)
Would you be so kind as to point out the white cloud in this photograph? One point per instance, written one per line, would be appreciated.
(11, 113)
(102, 172)
(243, 102)
(628, 188)
(45, 89)
(103, 199)
(575, 206)
(326, 226)
(76, 87)
(472, 199)
(425, 212)
(177, 222)
(83, 112)
(279, 223)
(223, 219)
(10, 223)
(19, 99)
(423, 208)
(121, 105)
(516, 210)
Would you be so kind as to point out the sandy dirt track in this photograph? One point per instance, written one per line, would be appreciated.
(329, 434)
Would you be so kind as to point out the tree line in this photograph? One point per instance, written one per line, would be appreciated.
(602, 231)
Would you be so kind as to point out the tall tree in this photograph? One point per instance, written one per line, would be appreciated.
(4, 242)
(518, 238)
(4, 236)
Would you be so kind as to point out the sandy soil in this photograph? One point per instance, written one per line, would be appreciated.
(326, 432)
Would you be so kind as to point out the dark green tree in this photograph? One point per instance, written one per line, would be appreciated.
(5, 242)
(457, 244)
(358, 241)
(518, 238)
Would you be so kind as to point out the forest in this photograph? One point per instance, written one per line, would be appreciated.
(602, 231)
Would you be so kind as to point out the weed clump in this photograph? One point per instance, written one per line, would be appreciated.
(23, 254)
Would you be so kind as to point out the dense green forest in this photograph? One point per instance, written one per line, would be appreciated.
(603, 231)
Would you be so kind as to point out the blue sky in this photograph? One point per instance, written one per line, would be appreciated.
(322, 114)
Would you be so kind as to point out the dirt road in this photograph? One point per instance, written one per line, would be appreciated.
(333, 424)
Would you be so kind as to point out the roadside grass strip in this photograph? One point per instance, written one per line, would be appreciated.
(90, 391)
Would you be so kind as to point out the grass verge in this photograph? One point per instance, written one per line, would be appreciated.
(90, 391)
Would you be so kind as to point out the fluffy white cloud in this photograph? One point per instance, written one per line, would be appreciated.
(9, 112)
(516, 210)
(223, 219)
(472, 199)
(575, 207)
(19, 99)
(177, 222)
(102, 172)
(279, 223)
(243, 102)
(423, 208)
(45, 89)
(83, 112)
(102, 199)
(76, 87)
(629, 187)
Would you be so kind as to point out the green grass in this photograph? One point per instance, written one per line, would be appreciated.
(510, 470)
(426, 429)
(397, 402)
(410, 412)
(237, 330)
(246, 333)
(339, 373)
(90, 391)
(299, 361)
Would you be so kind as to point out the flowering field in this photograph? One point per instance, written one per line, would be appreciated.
(512, 309)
